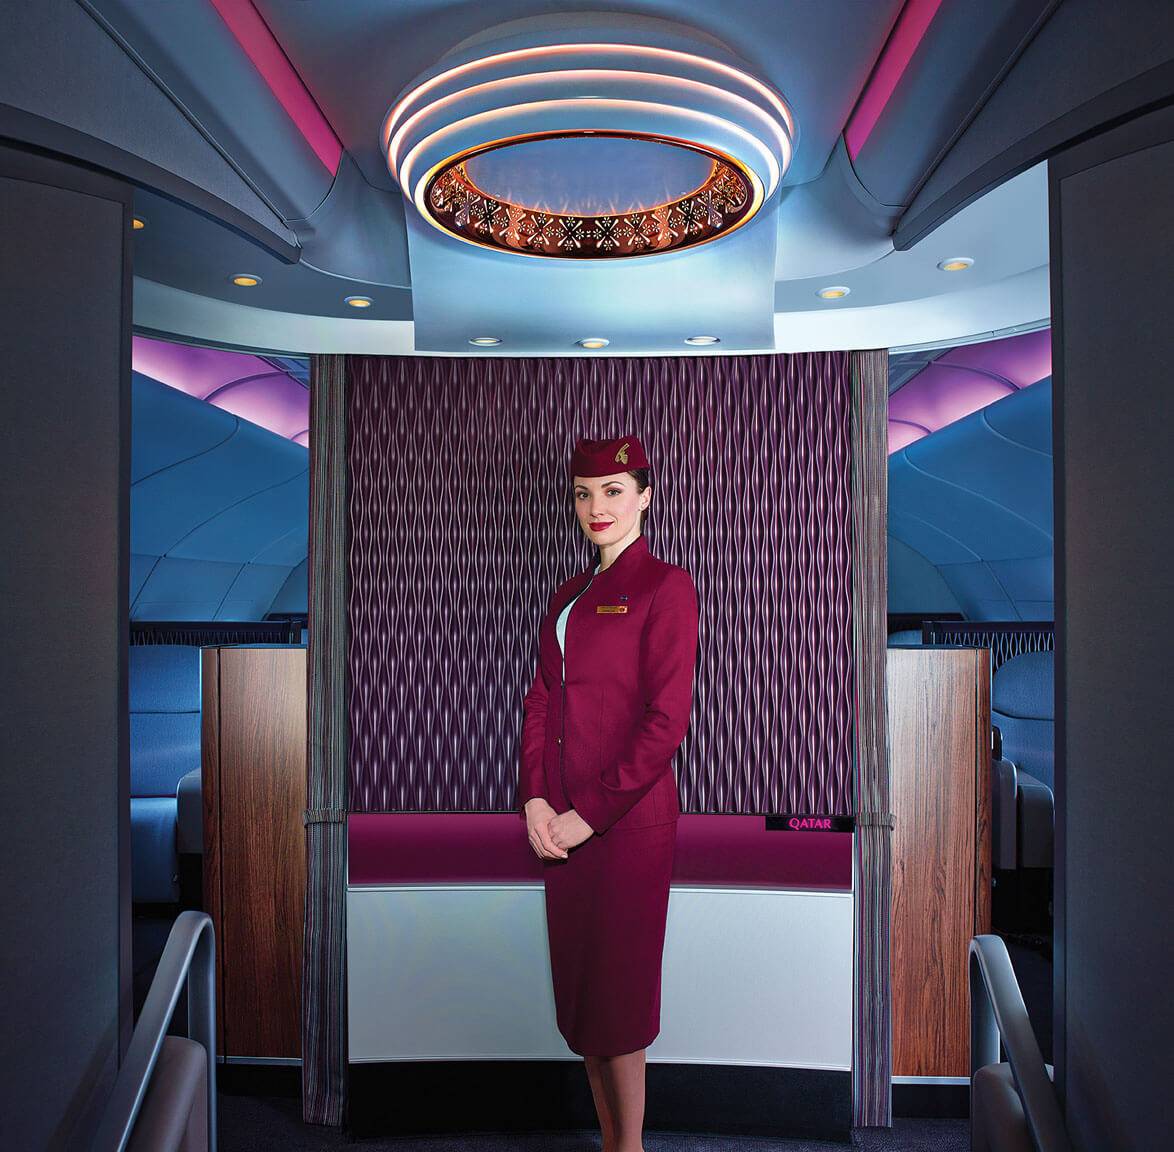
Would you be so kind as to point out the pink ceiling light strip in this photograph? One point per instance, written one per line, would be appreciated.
(262, 48)
(902, 43)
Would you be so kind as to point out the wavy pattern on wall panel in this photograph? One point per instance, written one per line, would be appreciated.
(461, 527)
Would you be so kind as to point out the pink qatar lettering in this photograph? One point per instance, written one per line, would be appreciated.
(810, 824)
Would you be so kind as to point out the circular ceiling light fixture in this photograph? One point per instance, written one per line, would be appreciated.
(834, 292)
(588, 150)
(486, 341)
(245, 280)
(955, 264)
(699, 341)
(728, 195)
(359, 301)
(593, 342)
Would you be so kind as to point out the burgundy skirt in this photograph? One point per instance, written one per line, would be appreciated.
(606, 908)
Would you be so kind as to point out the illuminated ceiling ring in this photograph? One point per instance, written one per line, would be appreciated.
(532, 88)
(586, 115)
(451, 201)
(471, 149)
(505, 66)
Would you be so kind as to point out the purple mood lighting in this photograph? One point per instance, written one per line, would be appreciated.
(963, 380)
(247, 386)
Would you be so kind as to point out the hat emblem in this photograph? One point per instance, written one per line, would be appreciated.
(622, 454)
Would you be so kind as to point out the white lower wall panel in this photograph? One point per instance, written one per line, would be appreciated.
(462, 972)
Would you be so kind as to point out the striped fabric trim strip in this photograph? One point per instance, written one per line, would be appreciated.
(872, 1008)
(324, 1039)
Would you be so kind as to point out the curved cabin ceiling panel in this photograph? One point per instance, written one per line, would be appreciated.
(1027, 579)
(288, 550)
(265, 392)
(357, 233)
(936, 69)
(1023, 422)
(356, 56)
(183, 590)
(58, 62)
(140, 568)
(1019, 360)
(207, 590)
(255, 523)
(256, 587)
(1060, 86)
(976, 585)
(950, 385)
(167, 506)
(914, 584)
(272, 400)
(975, 497)
(971, 455)
(159, 440)
(194, 51)
(934, 543)
(219, 506)
(985, 526)
(938, 396)
(185, 249)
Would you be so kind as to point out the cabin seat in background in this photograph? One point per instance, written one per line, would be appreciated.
(164, 750)
(906, 637)
(1023, 708)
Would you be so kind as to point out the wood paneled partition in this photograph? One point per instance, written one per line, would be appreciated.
(254, 784)
(939, 756)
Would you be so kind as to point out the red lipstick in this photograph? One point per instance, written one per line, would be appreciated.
(600, 527)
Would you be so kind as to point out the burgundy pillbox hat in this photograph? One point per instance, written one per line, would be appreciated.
(606, 457)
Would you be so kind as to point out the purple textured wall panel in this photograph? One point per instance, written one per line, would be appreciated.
(461, 527)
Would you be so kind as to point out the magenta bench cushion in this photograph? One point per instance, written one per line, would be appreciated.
(470, 847)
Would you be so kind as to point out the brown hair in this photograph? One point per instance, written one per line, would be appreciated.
(641, 476)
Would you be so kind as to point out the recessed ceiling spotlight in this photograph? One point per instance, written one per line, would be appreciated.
(137, 222)
(359, 301)
(485, 341)
(835, 292)
(593, 342)
(699, 340)
(246, 280)
(955, 264)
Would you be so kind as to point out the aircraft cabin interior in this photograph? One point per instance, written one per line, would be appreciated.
(587, 575)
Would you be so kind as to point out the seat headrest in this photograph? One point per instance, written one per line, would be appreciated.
(1024, 687)
(907, 636)
(164, 678)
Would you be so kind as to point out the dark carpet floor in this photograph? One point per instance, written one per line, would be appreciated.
(274, 1124)
(255, 1123)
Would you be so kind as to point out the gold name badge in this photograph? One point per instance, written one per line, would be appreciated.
(602, 609)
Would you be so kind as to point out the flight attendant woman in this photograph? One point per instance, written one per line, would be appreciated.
(608, 708)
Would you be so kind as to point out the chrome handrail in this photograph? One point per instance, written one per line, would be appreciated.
(188, 957)
(997, 1012)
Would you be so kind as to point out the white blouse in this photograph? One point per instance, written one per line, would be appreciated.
(560, 625)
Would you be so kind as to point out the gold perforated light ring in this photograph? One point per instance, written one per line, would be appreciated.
(726, 199)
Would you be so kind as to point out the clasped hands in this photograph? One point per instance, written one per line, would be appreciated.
(552, 834)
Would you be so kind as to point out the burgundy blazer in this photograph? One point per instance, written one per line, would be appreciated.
(604, 742)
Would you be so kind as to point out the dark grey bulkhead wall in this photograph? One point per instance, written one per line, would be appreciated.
(64, 422)
(1113, 325)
